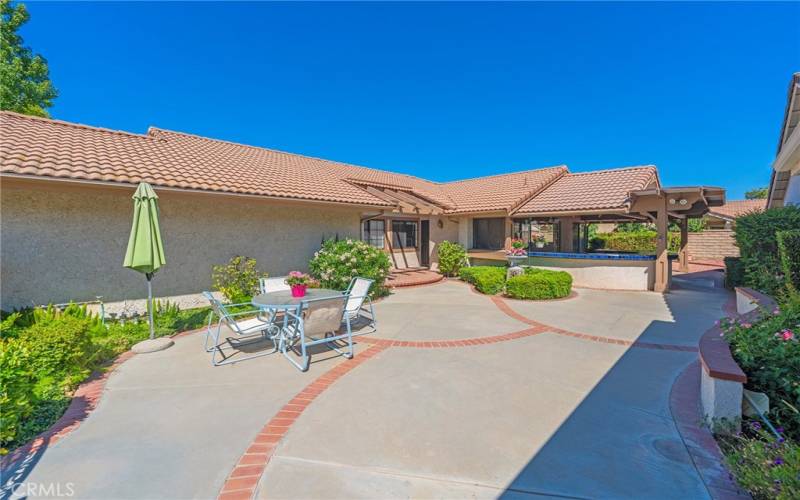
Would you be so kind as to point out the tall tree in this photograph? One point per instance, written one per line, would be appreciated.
(25, 85)
(756, 194)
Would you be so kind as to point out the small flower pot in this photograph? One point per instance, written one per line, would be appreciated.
(299, 290)
(540, 244)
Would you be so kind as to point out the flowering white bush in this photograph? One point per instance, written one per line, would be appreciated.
(337, 262)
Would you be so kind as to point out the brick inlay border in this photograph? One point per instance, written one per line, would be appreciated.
(684, 398)
(505, 308)
(243, 480)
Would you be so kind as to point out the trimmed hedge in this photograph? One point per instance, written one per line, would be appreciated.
(539, 284)
(486, 279)
(789, 250)
(758, 244)
(734, 272)
(633, 241)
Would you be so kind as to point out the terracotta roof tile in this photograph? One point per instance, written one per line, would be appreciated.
(602, 189)
(734, 208)
(500, 192)
(52, 148)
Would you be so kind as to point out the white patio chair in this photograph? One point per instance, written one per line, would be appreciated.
(316, 322)
(268, 285)
(250, 331)
(359, 303)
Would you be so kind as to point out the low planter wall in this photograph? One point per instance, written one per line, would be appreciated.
(721, 379)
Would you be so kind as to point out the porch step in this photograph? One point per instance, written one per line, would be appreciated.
(412, 277)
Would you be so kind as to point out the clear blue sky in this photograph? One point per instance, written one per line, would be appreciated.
(442, 91)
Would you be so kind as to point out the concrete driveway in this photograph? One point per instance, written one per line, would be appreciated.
(470, 408)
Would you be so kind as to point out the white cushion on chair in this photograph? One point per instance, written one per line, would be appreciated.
(358, 294)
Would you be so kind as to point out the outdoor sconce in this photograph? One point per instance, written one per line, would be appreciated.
(440, 223)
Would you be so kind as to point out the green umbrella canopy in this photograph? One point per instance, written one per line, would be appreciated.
(145, 250)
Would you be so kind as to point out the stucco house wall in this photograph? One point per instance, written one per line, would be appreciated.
(62, 242)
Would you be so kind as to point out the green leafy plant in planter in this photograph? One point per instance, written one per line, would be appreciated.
(756, 237)
(337, 262)
(238, 279)
(486, 279)
(768, 351)
(762, 464)
(789, 250)
(539, 284)
(452, 257)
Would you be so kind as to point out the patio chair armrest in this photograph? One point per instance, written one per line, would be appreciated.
(252, 311)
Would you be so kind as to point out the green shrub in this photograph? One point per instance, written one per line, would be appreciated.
(539, 284)
(486, 279)
(16, 388)
(643, 242)
(768, 350)
(758, 245)
(734, 272)
(452, 257)
(789, 251)
(763, 465)
(238, 279)
(60, 349)
(337, 262)
(46, 352)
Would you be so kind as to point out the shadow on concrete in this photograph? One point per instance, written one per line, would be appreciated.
(622, 441)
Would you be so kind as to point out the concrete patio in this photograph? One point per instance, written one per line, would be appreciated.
(491, 412)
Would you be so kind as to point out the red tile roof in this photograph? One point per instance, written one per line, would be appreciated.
(602, 189)
(500, 192)
(734, 208)
(40, 147)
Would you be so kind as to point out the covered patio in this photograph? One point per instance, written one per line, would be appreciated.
(555, 229)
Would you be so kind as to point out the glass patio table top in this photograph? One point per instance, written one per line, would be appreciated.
(283, 299)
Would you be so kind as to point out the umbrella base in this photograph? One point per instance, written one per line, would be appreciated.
(153, 345)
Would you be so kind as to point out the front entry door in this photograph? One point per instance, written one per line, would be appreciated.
(424, 243)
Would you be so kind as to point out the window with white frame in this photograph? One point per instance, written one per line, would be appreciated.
(372, 232)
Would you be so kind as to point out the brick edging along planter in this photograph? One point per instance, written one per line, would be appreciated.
(684, 406)
(83, 401)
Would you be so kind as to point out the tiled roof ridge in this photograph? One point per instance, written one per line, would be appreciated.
(152, 129)
(83, 126)
(616, 169)
(520, 172)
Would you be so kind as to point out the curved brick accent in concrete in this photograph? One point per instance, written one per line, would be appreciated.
(84, 400)
(703, 449)
(242, 481)
(501, 304)
(439, 344)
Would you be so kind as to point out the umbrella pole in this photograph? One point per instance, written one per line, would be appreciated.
(150, 304)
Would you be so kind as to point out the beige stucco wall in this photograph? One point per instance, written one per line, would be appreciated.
(61, 243)
(607, 274)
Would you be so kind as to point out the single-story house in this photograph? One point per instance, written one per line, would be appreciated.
(784, 186)
(66, 209)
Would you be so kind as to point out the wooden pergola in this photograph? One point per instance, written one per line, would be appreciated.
(403, 200)
(660, 205)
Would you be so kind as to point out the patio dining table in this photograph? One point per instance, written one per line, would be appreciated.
(283, 301)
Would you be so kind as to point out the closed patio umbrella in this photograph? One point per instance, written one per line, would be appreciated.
(145, 252)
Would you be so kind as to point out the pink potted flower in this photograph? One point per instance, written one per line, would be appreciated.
(299, 282)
